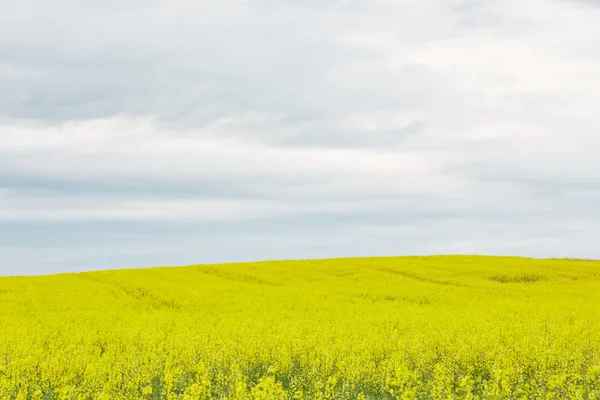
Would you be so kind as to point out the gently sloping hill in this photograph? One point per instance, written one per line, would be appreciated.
(368, 328)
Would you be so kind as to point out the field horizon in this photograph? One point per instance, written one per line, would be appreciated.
(406, 327)
(333, 258)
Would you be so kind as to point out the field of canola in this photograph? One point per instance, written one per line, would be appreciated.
(371, 328)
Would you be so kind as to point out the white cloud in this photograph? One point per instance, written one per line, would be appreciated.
(127, 149)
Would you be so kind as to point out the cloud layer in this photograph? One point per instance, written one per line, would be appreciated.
(142, 133)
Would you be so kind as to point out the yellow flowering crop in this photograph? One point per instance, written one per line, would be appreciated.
(363, 328)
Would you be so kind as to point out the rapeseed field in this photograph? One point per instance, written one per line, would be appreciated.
(363, 328)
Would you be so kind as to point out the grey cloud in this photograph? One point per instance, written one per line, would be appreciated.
(146, 61)
(194, 69)
(370, 128)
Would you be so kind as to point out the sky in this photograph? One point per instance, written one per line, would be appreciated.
(139, 133)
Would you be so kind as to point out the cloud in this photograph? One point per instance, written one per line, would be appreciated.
(284, 129)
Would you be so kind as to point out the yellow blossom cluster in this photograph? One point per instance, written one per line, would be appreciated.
(444, 327)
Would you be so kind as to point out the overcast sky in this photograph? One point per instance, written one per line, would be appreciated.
(146, 132)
